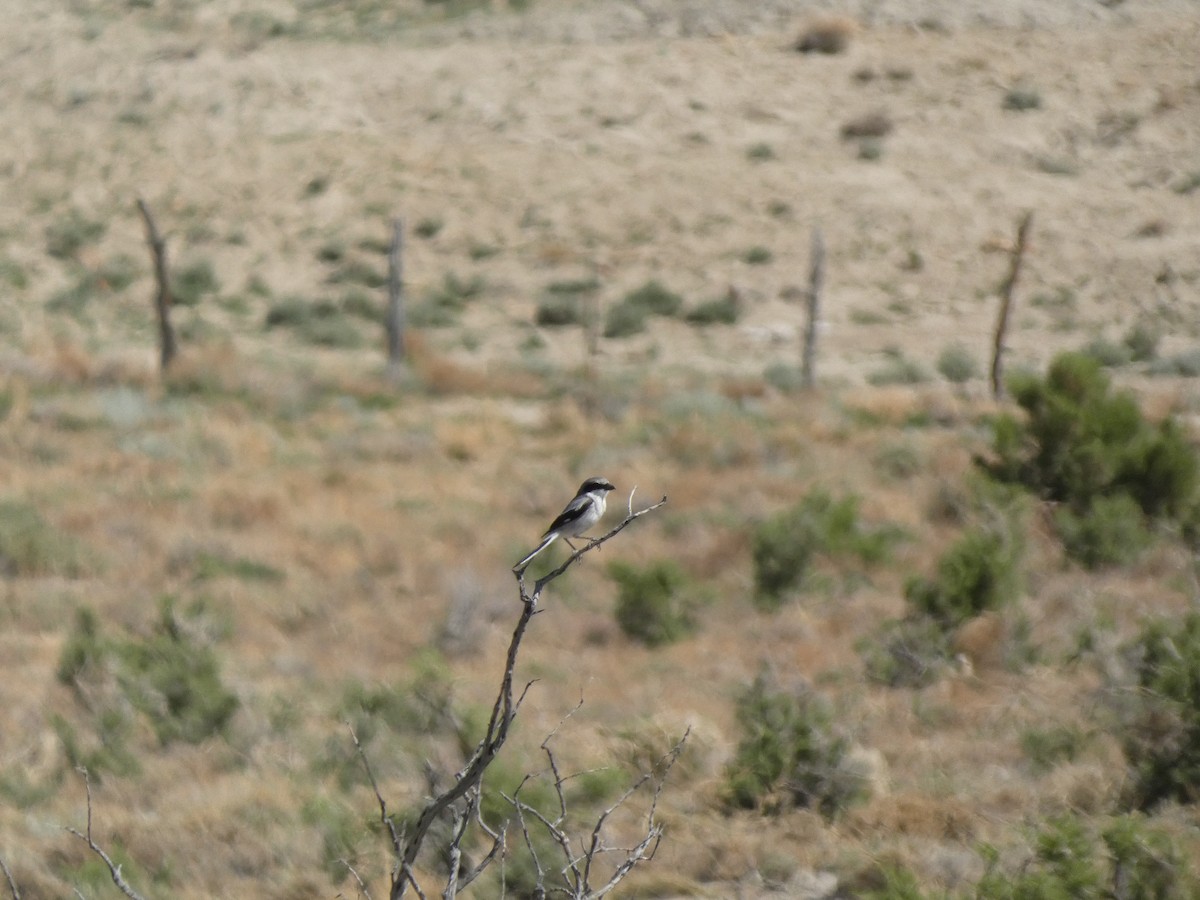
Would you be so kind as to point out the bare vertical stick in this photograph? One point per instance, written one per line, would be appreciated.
(162, 298)
(816, 277)
(394, 320)
(1006, 296)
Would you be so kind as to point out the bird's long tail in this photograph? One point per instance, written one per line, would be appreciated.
(546, 542)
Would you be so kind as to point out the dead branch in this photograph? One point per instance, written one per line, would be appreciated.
(467, 781)
(113, 869)
(1006, 298)
(162, 297)
(578, 869)
(361, 885)
(394, 320)
(12, 884)
(816, 278)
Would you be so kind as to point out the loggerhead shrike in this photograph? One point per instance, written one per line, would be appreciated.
(584, 511)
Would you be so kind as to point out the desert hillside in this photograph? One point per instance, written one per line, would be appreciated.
(608, 211)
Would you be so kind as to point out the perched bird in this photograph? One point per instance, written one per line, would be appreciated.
(584, 511)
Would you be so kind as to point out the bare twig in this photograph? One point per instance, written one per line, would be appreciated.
(395, 836)
(647, 847)
(362, 887)
(113, 869)
(816, 278)
(12, 884)
(162, 297)
(577, 876)
(1006, 298)
(498, 847)
(468, 779)
(394, 320)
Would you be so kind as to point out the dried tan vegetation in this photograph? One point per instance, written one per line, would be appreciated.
(330, 534)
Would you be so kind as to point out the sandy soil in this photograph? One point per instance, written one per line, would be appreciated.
(616, 140)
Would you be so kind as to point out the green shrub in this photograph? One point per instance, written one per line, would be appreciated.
(175, 680)
(898, 370)
(910, 652)
(1142, 342)
(428, 227)
(357, 271)
(783, 547)
(293, 311)
(562, 302)
(654, 603)
(556, 310)
(629, 316)
(320, 322)
(1046, 747)
(343, 832)
(444, 304)
(193, 281)
(30, 546)
(117, 272)
(1111, 532)
(1162, 741)
(956, 364)
(172, 677)
(760, 152)
(73, 298)
(623, 320)
(721, 311)
(1130, 859)
(789, 753)
(66, 237)
(1109, 354)
(758, 255)
(654, 299)
(357, 302)
(332, 251)
(784, 378)
(572, 287)
(976, 574)
(1182, 365)
(1022, 99)
(206, 564)
(1080, 441)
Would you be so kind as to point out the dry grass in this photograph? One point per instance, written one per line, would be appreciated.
(339, 533)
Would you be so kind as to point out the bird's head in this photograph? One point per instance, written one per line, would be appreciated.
(596, 483)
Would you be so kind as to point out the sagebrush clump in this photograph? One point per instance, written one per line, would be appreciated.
(978, 573)
(784, 546)
(790, 753)
(655, 604)
(1162, 736)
